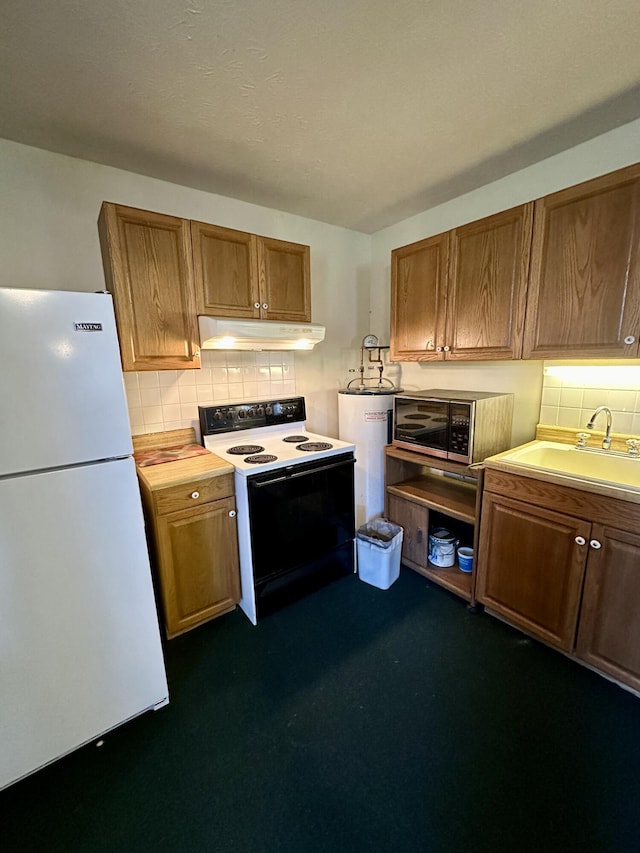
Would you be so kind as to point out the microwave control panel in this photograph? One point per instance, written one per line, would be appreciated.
(459, 428)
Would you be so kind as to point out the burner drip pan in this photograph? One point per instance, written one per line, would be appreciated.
(244, 449)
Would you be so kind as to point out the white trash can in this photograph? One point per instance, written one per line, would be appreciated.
(379, 545)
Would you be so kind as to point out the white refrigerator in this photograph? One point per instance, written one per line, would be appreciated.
(80, 648)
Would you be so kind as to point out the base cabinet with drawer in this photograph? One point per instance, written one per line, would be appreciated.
(563, 565)
(191, 522)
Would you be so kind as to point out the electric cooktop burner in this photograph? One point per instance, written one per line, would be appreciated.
(295, 439)
(410, 427)
(314, 446)
(417, 417)
(244, 449)
(261, 458)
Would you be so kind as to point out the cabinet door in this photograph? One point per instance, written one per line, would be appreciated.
(148, 268)
(584, 287)
(609, 629)
(284, 275)
(487, 286)
(531, 567)
(198, 564)
(225, 264)
(414, 519)
(418, 299)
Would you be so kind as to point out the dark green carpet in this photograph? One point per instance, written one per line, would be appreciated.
(357, 719)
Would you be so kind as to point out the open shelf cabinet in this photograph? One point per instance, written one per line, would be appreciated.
(423, 493)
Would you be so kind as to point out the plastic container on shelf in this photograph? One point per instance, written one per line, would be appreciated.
(379, 548)
(465, 559)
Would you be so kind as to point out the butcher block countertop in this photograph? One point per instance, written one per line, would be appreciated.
(183, 468)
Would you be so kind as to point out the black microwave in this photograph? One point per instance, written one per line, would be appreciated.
(464, 426)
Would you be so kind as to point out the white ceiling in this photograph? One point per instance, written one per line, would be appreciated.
(355, 112)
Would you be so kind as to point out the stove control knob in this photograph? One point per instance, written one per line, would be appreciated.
(269, 410)
(260, 411)
(218, 416)
(241, 413)
(251, 413)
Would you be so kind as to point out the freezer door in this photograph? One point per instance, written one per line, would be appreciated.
(80, 644)
(61, 384)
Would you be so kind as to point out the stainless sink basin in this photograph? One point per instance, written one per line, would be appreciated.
(593, 465)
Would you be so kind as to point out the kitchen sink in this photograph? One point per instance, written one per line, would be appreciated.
(599, 466)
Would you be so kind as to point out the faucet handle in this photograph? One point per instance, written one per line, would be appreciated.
(632, 446)
(582, 437)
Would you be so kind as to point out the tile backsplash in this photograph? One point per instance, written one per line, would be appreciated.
(570, 395)
(168, 399)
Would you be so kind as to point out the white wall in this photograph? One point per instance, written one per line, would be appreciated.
(603, 154)
(49, 239)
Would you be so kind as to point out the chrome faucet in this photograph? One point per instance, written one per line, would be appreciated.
(606, 441)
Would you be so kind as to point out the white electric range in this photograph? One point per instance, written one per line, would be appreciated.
(294, 497)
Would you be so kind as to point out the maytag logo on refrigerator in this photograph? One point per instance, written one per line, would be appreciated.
(88, 327)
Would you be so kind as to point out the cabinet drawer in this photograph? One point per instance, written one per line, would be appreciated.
(192, 494)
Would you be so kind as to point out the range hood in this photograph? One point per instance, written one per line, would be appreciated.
(227, 334)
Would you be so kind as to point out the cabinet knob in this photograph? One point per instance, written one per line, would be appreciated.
(438, 349)
(595, 544)
(630, 339)
(446, 349)
(256, 304)
(265, 306)
(419, 537)
(232, 513)
(195, 495)
(580, 540)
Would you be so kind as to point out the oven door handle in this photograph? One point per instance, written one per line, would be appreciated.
(308, 471)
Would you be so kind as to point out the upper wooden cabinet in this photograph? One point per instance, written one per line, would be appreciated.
(148, 268)
(461, 295)
(418, 299)
(487, 286)
(284, 276)
(584, 285)
(243, 275)
(225, 264)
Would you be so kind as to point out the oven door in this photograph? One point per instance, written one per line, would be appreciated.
(422, 425)
(299, 515)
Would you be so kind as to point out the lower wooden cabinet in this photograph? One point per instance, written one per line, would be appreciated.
(414, 520)
(197, 562)
(564, 565)
(609, 632)
(533, 567)
(190, 514)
